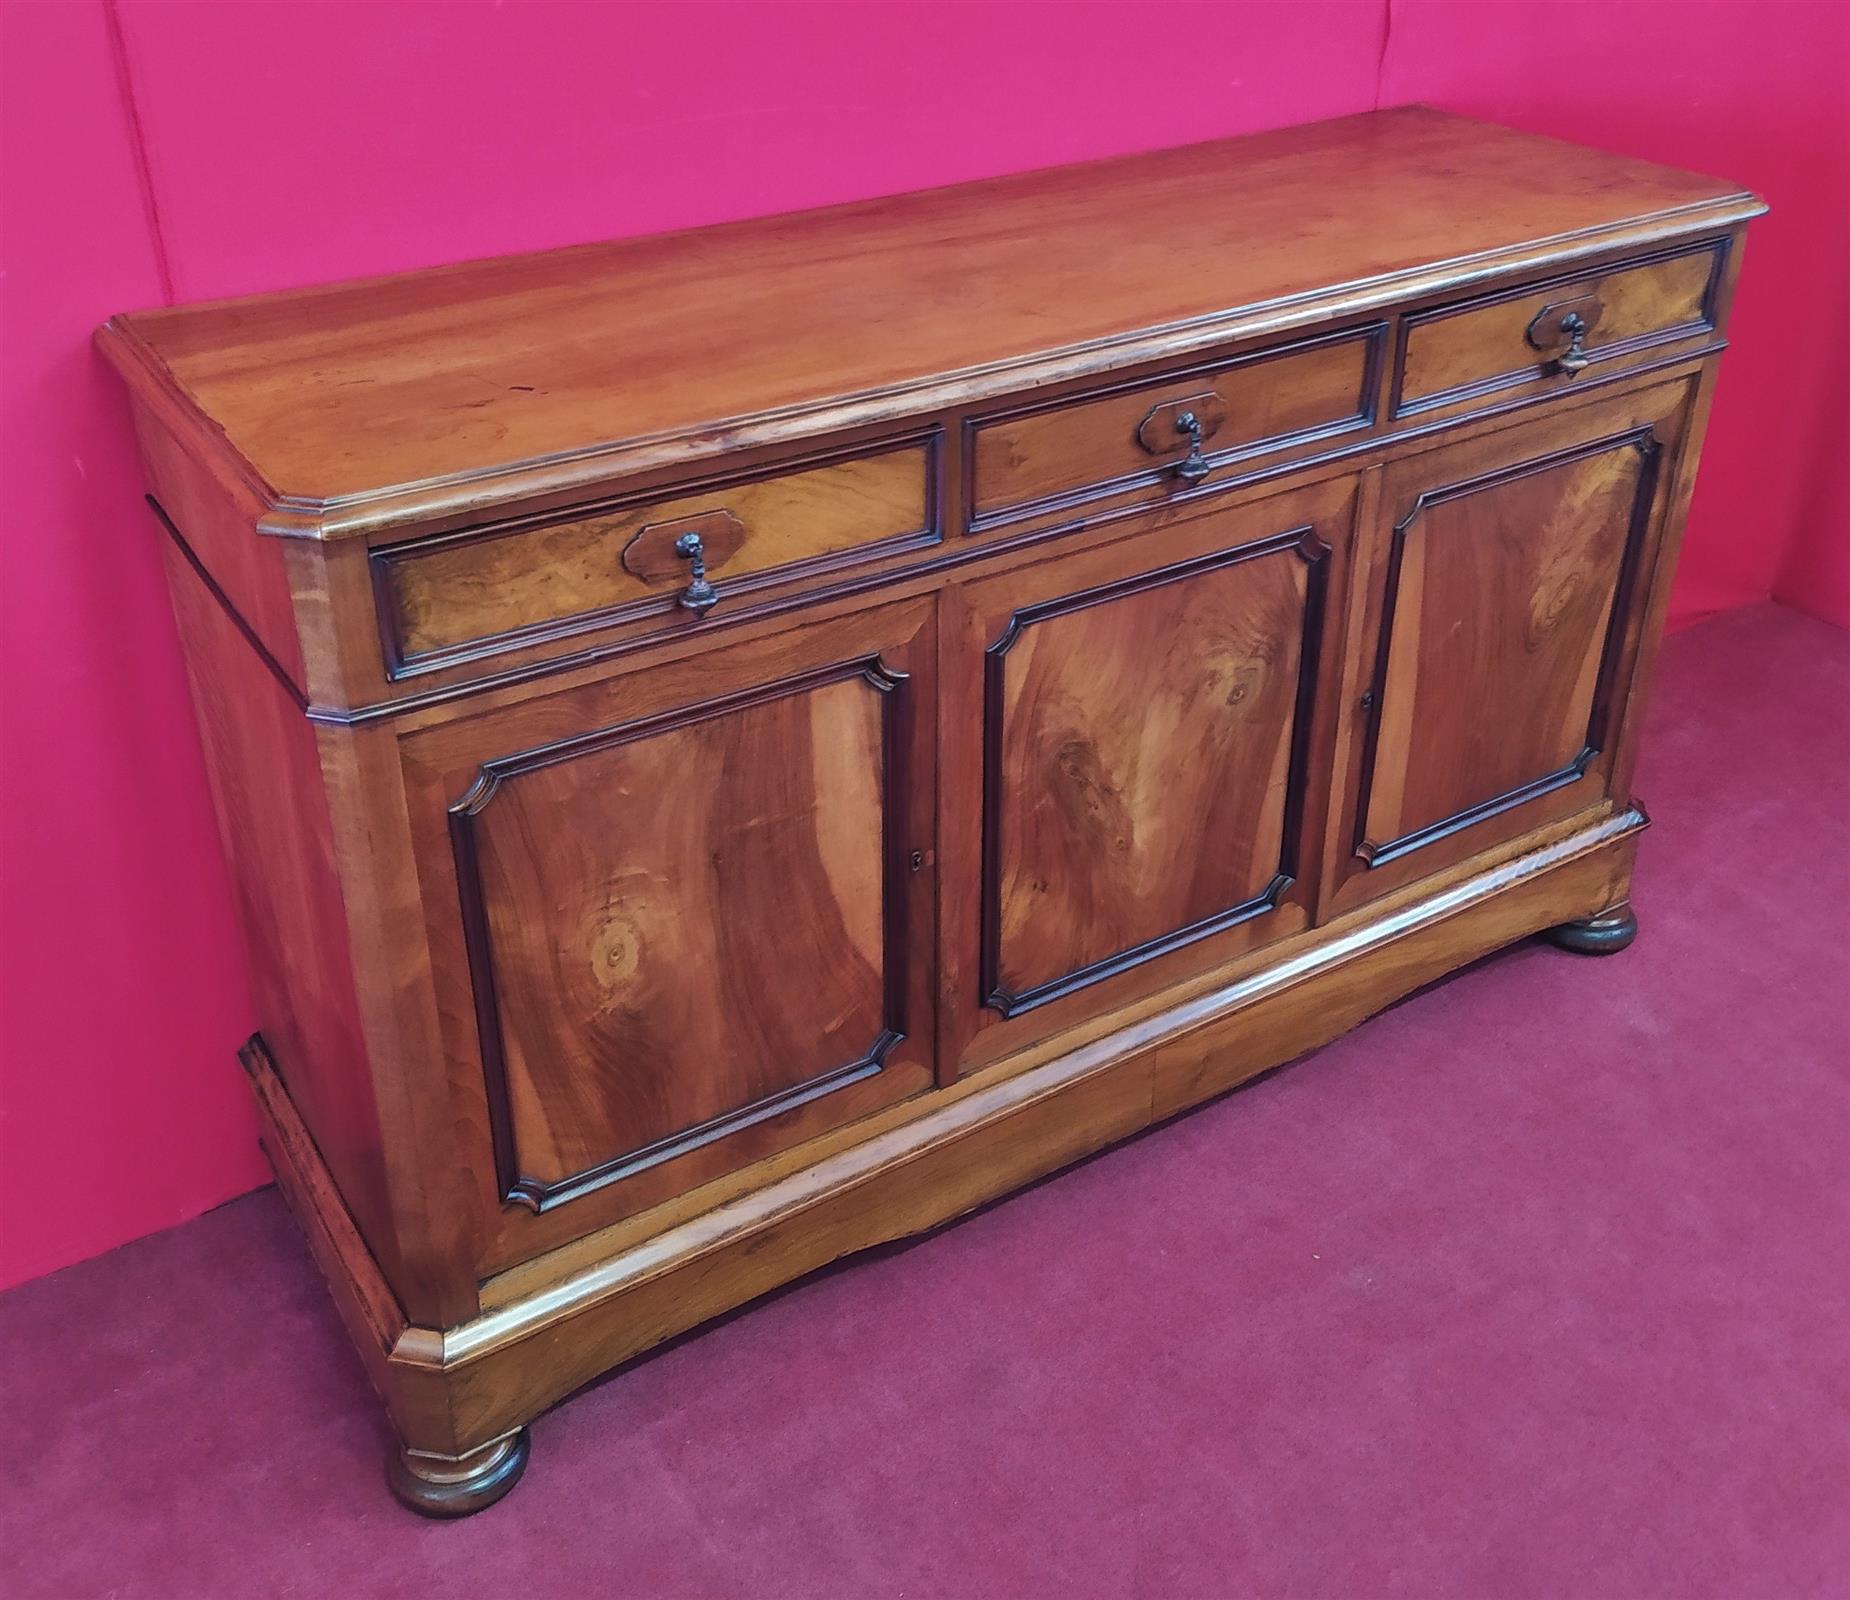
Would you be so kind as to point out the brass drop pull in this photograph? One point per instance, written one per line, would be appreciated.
(699, 596)
(1194, 466)
(1574, 360)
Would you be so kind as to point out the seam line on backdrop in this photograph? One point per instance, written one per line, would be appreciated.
(1381, 58)
(138, 145)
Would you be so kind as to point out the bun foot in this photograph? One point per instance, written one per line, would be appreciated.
(1604, 935)
(457, 1486)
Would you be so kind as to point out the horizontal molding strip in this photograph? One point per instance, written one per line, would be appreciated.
(397, 507)
(1350, 453)
(989, 1102)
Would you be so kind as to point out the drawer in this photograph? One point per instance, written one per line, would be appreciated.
(1552, 332)
(515, 583)
(1135, 435)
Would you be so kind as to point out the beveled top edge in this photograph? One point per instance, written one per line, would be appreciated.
(403, 506)
(409, 505)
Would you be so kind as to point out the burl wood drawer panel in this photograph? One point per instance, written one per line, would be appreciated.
(1554, 331)
(514, 583)
(1111, 441)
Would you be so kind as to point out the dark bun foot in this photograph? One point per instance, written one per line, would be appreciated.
(438, 1486)
(1604, 935)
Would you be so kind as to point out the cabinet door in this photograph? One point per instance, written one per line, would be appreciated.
(676, 917)
(1501, 620)
(1146, 746)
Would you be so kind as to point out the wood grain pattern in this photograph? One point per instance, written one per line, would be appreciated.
(486, 584)
(274, 824)
(1495, 632)
(1004, 1132)
(1502, 598)
(335, 396)
(615, 966)
(1196, 535)
(624, 886)
(1464, 351)
(1021, 459)
(602, 866)
(1141, 739)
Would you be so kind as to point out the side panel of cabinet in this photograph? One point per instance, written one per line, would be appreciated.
(1499, 624)
(1146, 724)
(676, 918)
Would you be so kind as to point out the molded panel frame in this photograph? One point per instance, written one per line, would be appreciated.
(1659, 417)
(1531, 372)
(442, 760)
(537, 1195)
(662, 608)
(1376, 853)
(1372, 334)
(1302, 540)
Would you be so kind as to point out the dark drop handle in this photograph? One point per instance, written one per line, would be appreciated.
(1574, 360)
(1194, 466)
(699, 596)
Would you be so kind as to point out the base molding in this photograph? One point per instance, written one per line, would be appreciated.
(468, 1391)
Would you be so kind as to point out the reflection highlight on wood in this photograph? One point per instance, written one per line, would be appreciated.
(624, 889)
(1035, 775)
(1141, 743)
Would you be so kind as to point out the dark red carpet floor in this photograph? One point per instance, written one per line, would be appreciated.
(1538, 1285)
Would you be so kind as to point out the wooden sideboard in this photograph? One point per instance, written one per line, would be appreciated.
(739, 746)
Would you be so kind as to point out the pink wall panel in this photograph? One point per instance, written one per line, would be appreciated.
(1756, 92)
(122, 982)
(1815, 576)
(291, 144)
(304, 140)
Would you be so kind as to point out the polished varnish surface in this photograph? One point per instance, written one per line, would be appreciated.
(1136, 435)
(1148, 750)
(456, 591)
(1566, 327)
(684, 905)
(361, 387)
(1522, 569)
(739, 747)
(1146, 732)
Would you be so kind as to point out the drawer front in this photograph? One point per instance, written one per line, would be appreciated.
(507, 585)
(1552, 332)
(1030, 460)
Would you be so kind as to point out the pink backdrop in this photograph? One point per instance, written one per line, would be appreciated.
(156, 150)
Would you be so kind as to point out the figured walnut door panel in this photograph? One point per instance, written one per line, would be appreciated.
(1140, 740)
(692, 932)
(1147, 739)
(1503, 611)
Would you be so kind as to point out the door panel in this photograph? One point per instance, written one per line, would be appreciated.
(1149, 717)
(1502, 596)
(622, 895)
(688, 919)
(1140, 740)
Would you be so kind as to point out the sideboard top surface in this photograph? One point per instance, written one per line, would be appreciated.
(352, 405)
